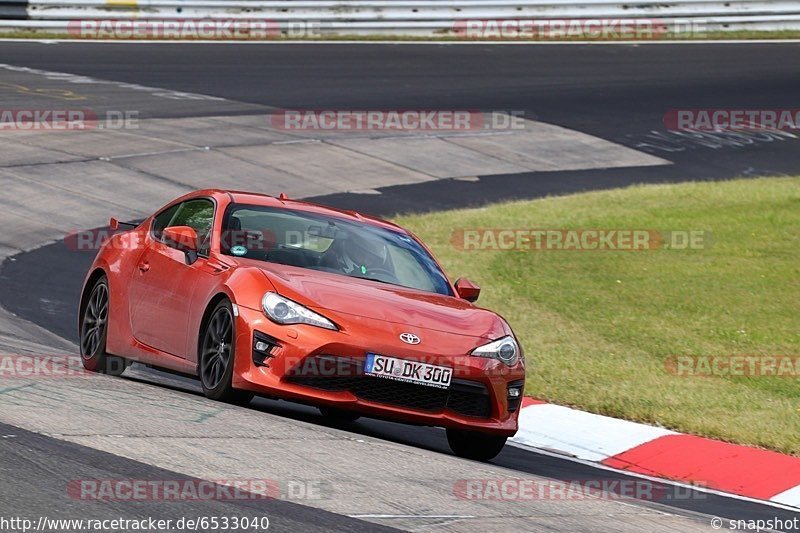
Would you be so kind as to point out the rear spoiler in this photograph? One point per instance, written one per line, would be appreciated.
(115, 224)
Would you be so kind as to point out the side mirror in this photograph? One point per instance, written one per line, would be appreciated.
(467, 290)
(182, 238)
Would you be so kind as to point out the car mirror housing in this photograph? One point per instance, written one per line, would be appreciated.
(467, 290)
(182, 238)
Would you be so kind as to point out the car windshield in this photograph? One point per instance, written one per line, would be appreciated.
(330, 244)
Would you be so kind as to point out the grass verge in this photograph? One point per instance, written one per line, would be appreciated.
(598, 327)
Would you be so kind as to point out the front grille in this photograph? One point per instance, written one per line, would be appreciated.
(468, 398)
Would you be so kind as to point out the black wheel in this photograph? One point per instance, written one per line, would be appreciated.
(217, 355)
(474, 445)
(338, 415)
(94, 333)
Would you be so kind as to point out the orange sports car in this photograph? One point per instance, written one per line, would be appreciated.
(257, 295)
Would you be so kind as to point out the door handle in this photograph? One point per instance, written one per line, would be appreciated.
(144, 267)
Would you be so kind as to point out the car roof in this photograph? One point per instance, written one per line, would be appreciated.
(252, 198)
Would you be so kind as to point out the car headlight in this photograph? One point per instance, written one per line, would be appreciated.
(505, 349)
(285, 311)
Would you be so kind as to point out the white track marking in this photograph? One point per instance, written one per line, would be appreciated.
(788, 497)
(86, 80)
(583, 435)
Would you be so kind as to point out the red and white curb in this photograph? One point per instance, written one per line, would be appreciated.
(656, 452)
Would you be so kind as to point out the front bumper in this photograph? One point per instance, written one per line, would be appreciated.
(323, 367)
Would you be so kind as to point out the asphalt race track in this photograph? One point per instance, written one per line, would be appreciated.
(616, 93)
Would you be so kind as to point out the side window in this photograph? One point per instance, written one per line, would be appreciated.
(162, 219)
(198, 215)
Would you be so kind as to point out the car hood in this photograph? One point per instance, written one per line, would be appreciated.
(323, 291)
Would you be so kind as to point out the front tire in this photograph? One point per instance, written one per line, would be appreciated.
(217, 356)
(474, 445)
(94, 333)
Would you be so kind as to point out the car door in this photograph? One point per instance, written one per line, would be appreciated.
(162, 283)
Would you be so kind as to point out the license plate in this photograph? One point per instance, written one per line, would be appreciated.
(397, 369)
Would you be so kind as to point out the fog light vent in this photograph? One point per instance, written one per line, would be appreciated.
(514, 395)
(263, 347)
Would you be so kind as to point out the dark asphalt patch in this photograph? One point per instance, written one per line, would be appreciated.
(37, 471)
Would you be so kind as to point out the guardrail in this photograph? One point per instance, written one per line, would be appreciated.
(13, 9)
(404, 17)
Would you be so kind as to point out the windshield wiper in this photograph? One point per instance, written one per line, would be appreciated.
(374, 279)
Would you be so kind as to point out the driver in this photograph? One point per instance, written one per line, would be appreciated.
(357, 255)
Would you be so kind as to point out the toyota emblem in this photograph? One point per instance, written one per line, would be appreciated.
(409, 338)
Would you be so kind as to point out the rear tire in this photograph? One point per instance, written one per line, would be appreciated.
(216, 357)
(338, 415)
(94, 333)
(474, 445)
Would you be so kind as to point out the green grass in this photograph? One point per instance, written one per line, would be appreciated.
(597, 327)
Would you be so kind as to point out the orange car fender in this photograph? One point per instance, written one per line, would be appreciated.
(241, 286)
